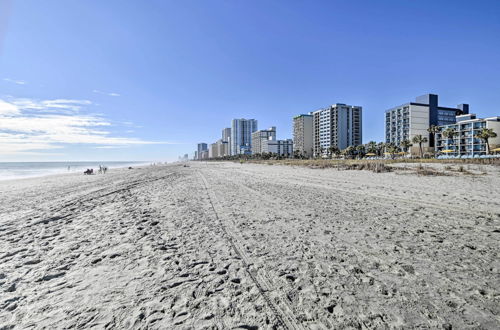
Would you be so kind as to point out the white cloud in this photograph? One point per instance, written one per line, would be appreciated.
(105, 93)
(50, 105)
(18, 82)
(7, 108)
(28, 125)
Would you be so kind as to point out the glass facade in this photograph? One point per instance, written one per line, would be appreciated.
(241, 135)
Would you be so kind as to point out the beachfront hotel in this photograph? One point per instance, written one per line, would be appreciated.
(464, 142)
(201, 148)
(414, 118)
(241, 135)
(226, 137)
(278, 147)
(260, 138)
(212, 150)
(303, 135)
(338, 125)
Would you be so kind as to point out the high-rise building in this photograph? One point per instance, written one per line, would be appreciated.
(465, 142)
(338, 125)
(414, 118)
(226, 134)
(241, 135)
(303, 135)
(226, 137)
(222, 148)
(259, 137)
(201, 147)
(213, 152)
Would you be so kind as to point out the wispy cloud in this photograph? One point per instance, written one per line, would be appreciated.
(105, 93)
(28, 125)
(109, 147)
(18, 82)
(57, 105)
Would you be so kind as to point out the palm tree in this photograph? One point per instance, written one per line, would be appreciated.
(419, 139)
(381, 148)
(485, 134)
(333, 150)
(392, 149)
(434, 130)
(371, 147)
(360, 150)
(406, 144)
(319, 154)
(348, 151)
(449, 134)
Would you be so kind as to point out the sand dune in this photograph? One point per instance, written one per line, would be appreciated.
(224, 245)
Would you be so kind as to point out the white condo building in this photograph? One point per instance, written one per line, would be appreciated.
(279, 147)
(338, 125)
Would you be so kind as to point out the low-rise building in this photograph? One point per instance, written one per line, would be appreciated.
(279, 147)
(465, 141)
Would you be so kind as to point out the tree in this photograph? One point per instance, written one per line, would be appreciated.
(434, 130)
(320, 152)
(485, 134)
(406, 144)
(348, 152)
(360, 150)
(392, 149)
(333, 150)
(449, 134)
(419, 139)
(381, 148)
(371, 147)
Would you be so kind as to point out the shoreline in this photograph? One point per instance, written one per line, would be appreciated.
(71, 172)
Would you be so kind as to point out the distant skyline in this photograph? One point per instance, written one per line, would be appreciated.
(148, 80)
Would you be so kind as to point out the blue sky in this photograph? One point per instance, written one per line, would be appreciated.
(147, 80)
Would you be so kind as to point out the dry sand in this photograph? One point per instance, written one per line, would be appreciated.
(225, 245)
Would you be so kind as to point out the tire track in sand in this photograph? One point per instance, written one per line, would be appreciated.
(283, 315)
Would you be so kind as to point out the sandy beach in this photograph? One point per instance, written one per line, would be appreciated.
(226, 245)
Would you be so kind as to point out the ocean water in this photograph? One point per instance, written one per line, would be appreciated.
(16, 170)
